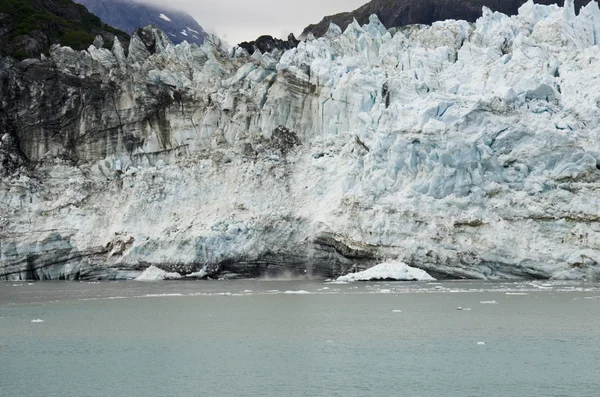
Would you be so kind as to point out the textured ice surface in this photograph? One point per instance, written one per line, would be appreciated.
(389, 271)
(465, 150)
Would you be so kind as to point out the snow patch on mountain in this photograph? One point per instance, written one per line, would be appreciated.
(166, 18)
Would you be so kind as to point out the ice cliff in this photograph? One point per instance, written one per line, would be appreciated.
(465, 150)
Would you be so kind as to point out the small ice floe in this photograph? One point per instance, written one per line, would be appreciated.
(488, 302)
(297, 292)
(395, 270)
(37, 321)
(396, 311)
(328, 341)
(463, 309)
(30, 284)
(517, 293)
(248, 291)
(160, 295)
(17, 285)
(325, 289)
(480, 343)
(385, 291)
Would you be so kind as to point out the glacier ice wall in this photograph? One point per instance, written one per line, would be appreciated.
(466, 150)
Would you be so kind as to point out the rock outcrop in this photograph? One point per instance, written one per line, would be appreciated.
(269, 44)
(465, 150)
(29, 27)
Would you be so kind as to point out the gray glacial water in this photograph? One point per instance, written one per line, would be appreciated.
(251, 338)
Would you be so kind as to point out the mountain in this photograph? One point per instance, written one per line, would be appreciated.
(129, 15)
(30, 27)
(464, 150)
(396, 13)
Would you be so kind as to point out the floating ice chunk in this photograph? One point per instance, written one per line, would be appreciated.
(161, 295)
(463, 309)
(481, 343)
(201, 274)
(166, 18)
(297, 292)
(397, 271)
(517, 293)
(488, 302)
(37, 321)
(153, 273)
(396, 311)
(385, 291)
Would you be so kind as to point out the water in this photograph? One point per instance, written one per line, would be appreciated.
(250, 338)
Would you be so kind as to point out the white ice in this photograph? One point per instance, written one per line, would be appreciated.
(153, 273)
(398, 271)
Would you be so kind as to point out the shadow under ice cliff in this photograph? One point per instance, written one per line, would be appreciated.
(466, 150)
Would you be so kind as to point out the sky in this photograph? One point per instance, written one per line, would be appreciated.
(245, 20)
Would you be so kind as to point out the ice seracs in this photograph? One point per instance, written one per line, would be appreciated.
(464, 150)
(394, 271)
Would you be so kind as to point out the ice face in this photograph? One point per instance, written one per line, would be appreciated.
(463, 150)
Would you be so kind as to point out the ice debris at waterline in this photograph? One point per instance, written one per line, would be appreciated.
(38, 321)
(394, 271)
(153, 273)
(465, 150)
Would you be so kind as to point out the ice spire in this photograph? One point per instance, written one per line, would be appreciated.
(569, 9)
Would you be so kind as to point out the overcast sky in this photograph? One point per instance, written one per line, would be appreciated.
(244, 20)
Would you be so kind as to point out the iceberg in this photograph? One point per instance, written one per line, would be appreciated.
(389, 271)
(153, 273)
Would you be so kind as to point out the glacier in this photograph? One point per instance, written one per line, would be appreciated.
(464, 150)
